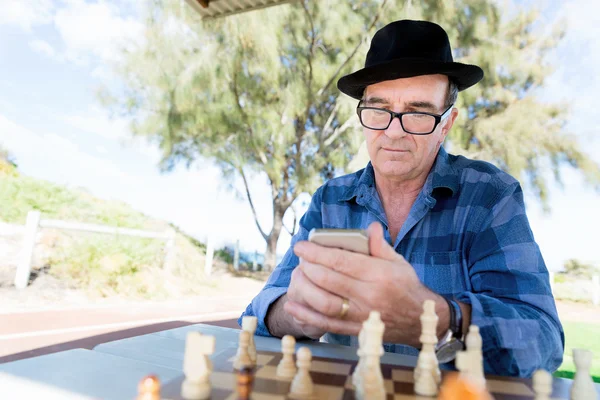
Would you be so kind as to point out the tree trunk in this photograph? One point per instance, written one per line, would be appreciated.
(271, 252)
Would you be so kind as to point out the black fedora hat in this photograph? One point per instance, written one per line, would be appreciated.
(408, 48)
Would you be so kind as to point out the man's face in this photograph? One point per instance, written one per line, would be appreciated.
(398, 155)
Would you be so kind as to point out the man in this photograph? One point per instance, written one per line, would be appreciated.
(440, 227)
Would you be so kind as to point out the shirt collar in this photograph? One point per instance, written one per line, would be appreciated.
(442, 177)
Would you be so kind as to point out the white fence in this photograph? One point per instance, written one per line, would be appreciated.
(577, 289)
(34, 223)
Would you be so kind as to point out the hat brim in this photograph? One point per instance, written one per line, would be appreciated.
(354, 84)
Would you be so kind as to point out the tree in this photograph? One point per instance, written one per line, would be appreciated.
(8, 163)
(580, 269)
(256, 92)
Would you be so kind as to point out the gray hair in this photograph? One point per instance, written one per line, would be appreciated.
(452, 93)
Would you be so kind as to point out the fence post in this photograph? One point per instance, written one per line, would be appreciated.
(210, 252)
(255, 262)
(236, 256)
(551, 274)
(596, 290)
(26, 256)
(170, 250)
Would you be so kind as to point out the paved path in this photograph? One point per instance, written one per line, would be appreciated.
(45, 330)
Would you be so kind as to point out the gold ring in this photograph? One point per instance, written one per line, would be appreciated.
(345, 308)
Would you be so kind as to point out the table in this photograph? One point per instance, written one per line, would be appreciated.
(113, 370)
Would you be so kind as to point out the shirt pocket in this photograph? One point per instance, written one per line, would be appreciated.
(441, 271)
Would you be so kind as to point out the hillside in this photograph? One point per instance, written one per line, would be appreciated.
(101, 265)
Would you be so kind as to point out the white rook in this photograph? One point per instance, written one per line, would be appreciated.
(24, 265)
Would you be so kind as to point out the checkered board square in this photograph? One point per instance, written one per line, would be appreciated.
(332, 380)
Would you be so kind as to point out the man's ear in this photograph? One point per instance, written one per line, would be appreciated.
(448, 123)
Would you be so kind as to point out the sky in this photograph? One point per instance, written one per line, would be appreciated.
(55, 54)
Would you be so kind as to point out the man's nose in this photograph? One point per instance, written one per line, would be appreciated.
(395, 131)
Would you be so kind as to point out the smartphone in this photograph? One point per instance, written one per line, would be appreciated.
(355, 240)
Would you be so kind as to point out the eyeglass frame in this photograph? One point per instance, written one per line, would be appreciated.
(438, 117)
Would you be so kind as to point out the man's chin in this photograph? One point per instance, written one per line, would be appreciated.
(393, 167)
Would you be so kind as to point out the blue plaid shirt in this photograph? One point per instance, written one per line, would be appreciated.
(467, 236)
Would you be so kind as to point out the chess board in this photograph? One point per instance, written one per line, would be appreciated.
(332, 379)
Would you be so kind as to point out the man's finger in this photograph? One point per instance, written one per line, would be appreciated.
(306, 292)
(346, 262)
(331, 281)
(314, 319)
(378, 246)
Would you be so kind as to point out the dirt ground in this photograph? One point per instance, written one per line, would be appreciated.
(578, 312)
(48, 292)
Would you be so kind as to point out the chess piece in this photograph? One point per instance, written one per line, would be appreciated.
(467, 363)
(242, 358)
(455, 387)
(302, 384)
(473, 344)
(287, 368)
(249, 325)
(427, 374)
(370, 383)
(197, 366)
(542, 384)
(149, 388)
(583, 385)
(357, 374)
(245, 379)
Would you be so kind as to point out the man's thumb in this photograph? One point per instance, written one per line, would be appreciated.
(378, 246)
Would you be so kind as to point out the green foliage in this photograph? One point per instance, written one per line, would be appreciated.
(108, 265)
(579, 335)
(6, 157)
(105, 265)
(21, 194)
(579, 269)
(8, 165)
(256, 92)
(225, 254)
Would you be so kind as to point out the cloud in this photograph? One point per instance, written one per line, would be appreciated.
(97, 122)
(26, 14)
(43, 47)
(50, 148)
(94, 30)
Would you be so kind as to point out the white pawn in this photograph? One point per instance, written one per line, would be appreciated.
(426, 374)
(242, 358)
(302, 385)
(542, 384)
(197, 366)
(473, 343)
(249, 325)
(287, 368)
(583, 385)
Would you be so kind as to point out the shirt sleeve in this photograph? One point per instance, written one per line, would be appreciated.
(278, 282)
(511, 300)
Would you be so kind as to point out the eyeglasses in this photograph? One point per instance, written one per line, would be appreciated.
(414, 122)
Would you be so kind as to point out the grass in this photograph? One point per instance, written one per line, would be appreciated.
(584, 336)
(20, 194)
(103, 265)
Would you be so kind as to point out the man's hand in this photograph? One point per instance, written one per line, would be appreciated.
(383, 281)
